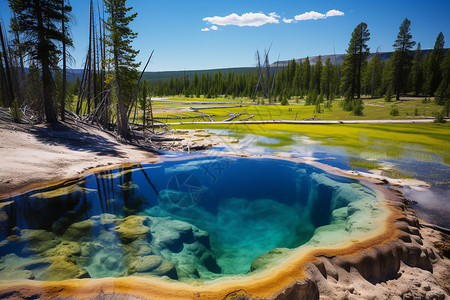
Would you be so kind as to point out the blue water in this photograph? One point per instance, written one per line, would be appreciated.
(206, 216)
(432, 205)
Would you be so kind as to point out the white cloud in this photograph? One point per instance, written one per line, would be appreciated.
(312, 15)
(259, 19)
(334, 13)
(274, 14)
(247, 19)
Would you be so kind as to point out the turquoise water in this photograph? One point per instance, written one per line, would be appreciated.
(187, 218)
(432, 204)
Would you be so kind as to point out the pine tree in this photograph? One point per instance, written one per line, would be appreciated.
(373, 76)
(194, 86)
(354, 61)
(306, 76)
(317, 73)
(390, 72)
(417, 71)
(443, 91)
(327, 79)
(433, 72)
(35, 90)
(123, 57)
(38, 21)
(76, 86)
(296, 84)
(402, 45)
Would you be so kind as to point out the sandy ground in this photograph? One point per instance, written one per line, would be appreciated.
(33, 153)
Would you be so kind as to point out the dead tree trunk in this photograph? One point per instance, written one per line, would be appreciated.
(64, 79)
(9, 85)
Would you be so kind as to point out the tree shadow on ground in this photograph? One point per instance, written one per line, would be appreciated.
(61, 134)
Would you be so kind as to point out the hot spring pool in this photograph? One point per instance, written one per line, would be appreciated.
(189, 218)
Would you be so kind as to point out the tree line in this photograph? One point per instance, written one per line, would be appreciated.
(38, 40)
(35, 50)
(407, 72)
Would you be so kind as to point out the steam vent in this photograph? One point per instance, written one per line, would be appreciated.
(209, 228)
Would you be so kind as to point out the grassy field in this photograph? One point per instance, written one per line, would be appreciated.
(203, 99)
(375, 109)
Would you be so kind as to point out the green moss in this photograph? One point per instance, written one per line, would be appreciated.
(364, 164)
(397, 174)
(381, 141)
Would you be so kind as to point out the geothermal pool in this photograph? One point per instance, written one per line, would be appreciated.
(186, 218)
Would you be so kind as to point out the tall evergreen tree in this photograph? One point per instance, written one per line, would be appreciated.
(443, 91)
(123, 57)
(373, 76)
(326, 80)
(433, 72)
(354, 61)
(402, 45)
(296, 84)
(38, 21)
(417, 71)
(317, 73)
(306, 78)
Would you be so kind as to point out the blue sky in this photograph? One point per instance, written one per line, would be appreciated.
(173, 28)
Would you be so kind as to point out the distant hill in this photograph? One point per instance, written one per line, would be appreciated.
(339, 58)
(167, 75)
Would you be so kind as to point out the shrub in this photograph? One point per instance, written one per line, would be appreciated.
(15, 112)
(319, 98)
(388, 95)
(357, 107)
(440, 117)
(317, 110)
(394, 112)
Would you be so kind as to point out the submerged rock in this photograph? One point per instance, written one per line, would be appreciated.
(61, 269)
(51, 269)
(108, 246)
(269, 258)
(145, 264)
(65, 249)
(134, 227)
(152, 265)
(172, 234)
(37, 241)
(184, 243)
